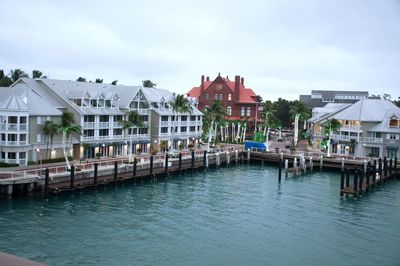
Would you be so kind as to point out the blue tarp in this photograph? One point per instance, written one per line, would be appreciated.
(255, 145)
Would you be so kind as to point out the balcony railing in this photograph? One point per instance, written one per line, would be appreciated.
(372, 139)
(13, 127)
(117, 124)
(351, 127)
(165, 123)
(143, 111)
(104, 124)
(89, 124)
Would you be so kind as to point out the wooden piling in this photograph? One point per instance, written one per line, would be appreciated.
(380, 169)
(355, 182)
(368, 176)
(280, 170)
(361, 182)
(180, 162)
(347, 177)
(166, 164)
(46, 183)
(95, 173)
(72, 180)
(385, 167)
(395, 167)
(374, 172)
(115, 171)
(192, 159)
(204, 158)
(390, 167)
(341, 182)
(151, 165)
(321, 162)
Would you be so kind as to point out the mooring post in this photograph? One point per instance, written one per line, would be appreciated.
(134, 168)
(204, 158)
(217, 161)
(355, 182)
(72, 181)
(347, 177)
(280, 170)
(374, 173)
(236, 156)
(151, 165)
(368, 176)
(311, 163)
(390, 167)
(95, 173)
(192, 159)
(341, 182)
(248, 155)
(342, 163)
(380, 169)
(46, 183)
(207, 160)
(295, 166)
(115, 171)
(166, 164)
(385, 167)
(180, 162)
(321, 162)
(286, 167)
(361, 182)
(395, 167)
(228, 158)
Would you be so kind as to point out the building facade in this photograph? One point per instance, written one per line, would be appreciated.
(240, 102)
(99, 109)
(369, 128)
(319, 98)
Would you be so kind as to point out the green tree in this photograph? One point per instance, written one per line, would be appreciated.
(214, 115)
(4, 80)
(331, 126)
(16, 74)
(179, 104)
(114, 82)
(98, 80)
(133, 120)
(50, 129)
(280, 110)
(148, 83)
(397, 102)
(36, 74)
(68, 128)
(81, 79)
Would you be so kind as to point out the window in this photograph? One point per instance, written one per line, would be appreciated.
(104, 118)
(394, 123)
(199, 118)
(93, 102)
(144, 118)
(375, 151)
(220, 97)
(216, 96)
(192, 129)
(88, 118)
(392, 136)
(88, 132)
(391, 153)
(117, 118)
(103, 132)
(207, 96)
(107, 103)
(184, 118)
(132, 131)
(183, 129)
(173, 118)
(248, 111)
(229, 110)
(242, 111)
(12, 155)
(12, 137)
(229, 97)
(3, 137)
(41, 138)
(198, 128)
(22, 137)
(22, 120)
(22, 155)
(192, 118)
(143, 130)
(164, 130)
(12, 119)
(3, 155)
(218, 86)
(41, 119)
(164, 118)
(117, 131)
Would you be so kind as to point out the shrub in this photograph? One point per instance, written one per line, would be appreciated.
(31, 162)
(8, 164)
(56, 160)
(181, 146)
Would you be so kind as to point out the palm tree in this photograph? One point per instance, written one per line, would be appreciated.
(329, 126)
(213, 116)
(67, 128)
(134, 120)
(81, 79)
(299, 108)
(16, 74)
(98, 80)
(179, 104)
(36, 74)
(50, 129)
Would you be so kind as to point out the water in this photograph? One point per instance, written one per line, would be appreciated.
(230, 216)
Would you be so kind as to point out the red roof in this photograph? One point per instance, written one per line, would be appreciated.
(246, 95)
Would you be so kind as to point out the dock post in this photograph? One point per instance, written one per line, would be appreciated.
(385, 167)
(341, 182)
(151, 165)
(180, 162)
(395, 167)
(311, 163)
(343, 164)
(217, 161)
(248, 155)
(72, 181)
(361, 182)
(46, 183)
(280, 170)
(368, 176)
(374, 173)
(192, 159)
(204, 158)
(115, 171)
(355, 182)
(95, 173)
(296, 168)
(166, 164)
(321, 162)
(228, 158)
(134, 168)
(380, 169)
(347, 177)
(286, 167)
(236, 156)
(390, 167)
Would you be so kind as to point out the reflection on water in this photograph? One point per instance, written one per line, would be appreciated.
(237, 215)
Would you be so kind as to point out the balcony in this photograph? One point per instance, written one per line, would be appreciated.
(89, 125)
(143, 111)
(371, 140)
(14, 143)
(13, 127)
(351, 128)
(117, 124)
(104, 124)
(184, 123)
(193, 123)
(164, 123)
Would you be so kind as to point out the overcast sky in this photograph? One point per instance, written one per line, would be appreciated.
(282, 48)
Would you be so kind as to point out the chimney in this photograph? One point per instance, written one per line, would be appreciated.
(242, 81)
(208, 78)
(202, 84)
(237, 86)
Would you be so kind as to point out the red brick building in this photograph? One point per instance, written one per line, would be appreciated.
(239, 101)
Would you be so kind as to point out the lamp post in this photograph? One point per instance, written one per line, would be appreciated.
(40, 160)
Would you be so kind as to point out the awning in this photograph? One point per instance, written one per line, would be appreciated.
(175, 139)
(143, 141)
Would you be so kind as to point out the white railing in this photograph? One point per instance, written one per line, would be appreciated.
(89, 124)
(117, 124)
(22, 161)
(12, 126)
(165, 123)
(372, 139)
(164, 134)
(343, 137)
(184, 123)
(88, 138)
(104, 124)
(103, 137)
(193, 123)
(143, 111)
(23, 127)
(351, 127)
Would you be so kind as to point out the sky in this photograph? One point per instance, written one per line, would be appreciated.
(281, 48)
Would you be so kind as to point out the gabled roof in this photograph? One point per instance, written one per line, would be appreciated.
(384, 125)
(246, 95)
(14, 103)
(320, 113)
(367, 110)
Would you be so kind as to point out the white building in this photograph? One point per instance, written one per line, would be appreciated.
(369, 127)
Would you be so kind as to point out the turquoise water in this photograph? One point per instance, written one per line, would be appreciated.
(231, 216)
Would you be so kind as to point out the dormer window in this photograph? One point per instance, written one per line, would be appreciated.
(394, 122)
